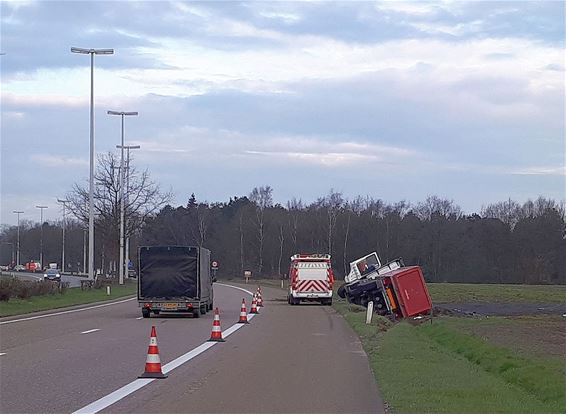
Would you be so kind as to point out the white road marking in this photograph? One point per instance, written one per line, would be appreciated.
(92, 330)
(66, 312)
(2, 353)
(135, 385)
(141, 317)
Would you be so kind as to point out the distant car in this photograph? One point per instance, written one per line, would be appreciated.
(5, 268)
(52, 274)
(20, 268)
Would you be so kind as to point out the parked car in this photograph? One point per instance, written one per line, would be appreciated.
(52, 274)
(20, 268)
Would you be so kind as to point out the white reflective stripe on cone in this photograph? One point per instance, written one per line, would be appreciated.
(153, 359)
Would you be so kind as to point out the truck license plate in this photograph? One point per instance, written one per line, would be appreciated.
(170, 306)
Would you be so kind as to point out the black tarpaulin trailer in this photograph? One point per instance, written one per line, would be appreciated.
(174, 279)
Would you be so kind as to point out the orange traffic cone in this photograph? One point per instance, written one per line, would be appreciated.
(243, 314)
(153, 363)
(216, 335)
(259, 300)
(254, 306)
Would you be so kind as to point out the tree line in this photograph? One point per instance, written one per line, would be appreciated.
(505, 242)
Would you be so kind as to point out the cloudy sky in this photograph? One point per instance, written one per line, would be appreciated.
(395, 100)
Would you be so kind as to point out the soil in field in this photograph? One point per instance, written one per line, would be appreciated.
(542, 337)
(504, 309)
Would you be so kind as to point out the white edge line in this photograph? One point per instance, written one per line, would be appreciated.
(115, 396)
(65, 312)
(135, 385)
(2, 353)
(90, 331)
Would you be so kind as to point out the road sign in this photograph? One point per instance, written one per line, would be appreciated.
(247, 275)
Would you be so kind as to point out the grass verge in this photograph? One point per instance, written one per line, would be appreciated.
(434, 369)
(466, 293)
(73, 296)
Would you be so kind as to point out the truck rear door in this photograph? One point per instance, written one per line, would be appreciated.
(312, 277)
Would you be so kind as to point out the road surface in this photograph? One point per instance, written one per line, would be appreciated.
(74, 281)
(288, 359)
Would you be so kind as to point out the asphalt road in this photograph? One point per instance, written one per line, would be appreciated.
(288, 359)
(74, 281)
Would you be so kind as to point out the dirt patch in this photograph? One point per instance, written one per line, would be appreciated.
(539, 336)
(501, 309)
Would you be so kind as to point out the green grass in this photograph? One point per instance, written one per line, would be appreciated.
(73, 296)
(465, 292)
(435, 369)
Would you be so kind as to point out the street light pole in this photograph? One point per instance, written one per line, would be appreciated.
(91, 52)
(84, 250)
(128, 148)
(41, 208)
(122, 264)
(18, 250)
(64, 202)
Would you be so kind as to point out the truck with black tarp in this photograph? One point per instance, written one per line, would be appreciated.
(174, 279)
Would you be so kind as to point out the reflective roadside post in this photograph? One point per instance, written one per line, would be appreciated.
(91, 52)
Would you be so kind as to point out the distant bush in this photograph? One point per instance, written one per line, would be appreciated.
(24, 289)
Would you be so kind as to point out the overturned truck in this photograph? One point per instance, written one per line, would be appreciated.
(394, 289)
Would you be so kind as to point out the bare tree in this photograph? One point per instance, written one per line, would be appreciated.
(262, 198)
(332, 202)
(281, 237)
(436, 205)
(507, 211)
(145, 198)
(294, 208)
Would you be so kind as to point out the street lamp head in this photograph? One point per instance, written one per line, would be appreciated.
(41, 207)
(17, 212)
(94, 51)
(121, 113)
(128, 147)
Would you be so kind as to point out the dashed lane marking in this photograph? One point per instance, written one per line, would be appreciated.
(90, 331)
(135, 385)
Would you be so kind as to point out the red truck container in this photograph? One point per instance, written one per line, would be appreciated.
(407, 292)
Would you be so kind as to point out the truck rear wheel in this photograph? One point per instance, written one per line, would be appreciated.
(203, 309)
(196, 313)
(145, 312)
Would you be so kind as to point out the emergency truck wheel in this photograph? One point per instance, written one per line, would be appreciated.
(210, 307)
(203, 309)
(145, 313)
(196, 313)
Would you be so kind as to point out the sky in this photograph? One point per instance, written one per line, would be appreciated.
(392, 100)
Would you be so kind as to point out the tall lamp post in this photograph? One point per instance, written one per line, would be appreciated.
(128, 148)
(64, 202)
(91, 52)
(18, 248)
(122, 264)
(41, 208)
